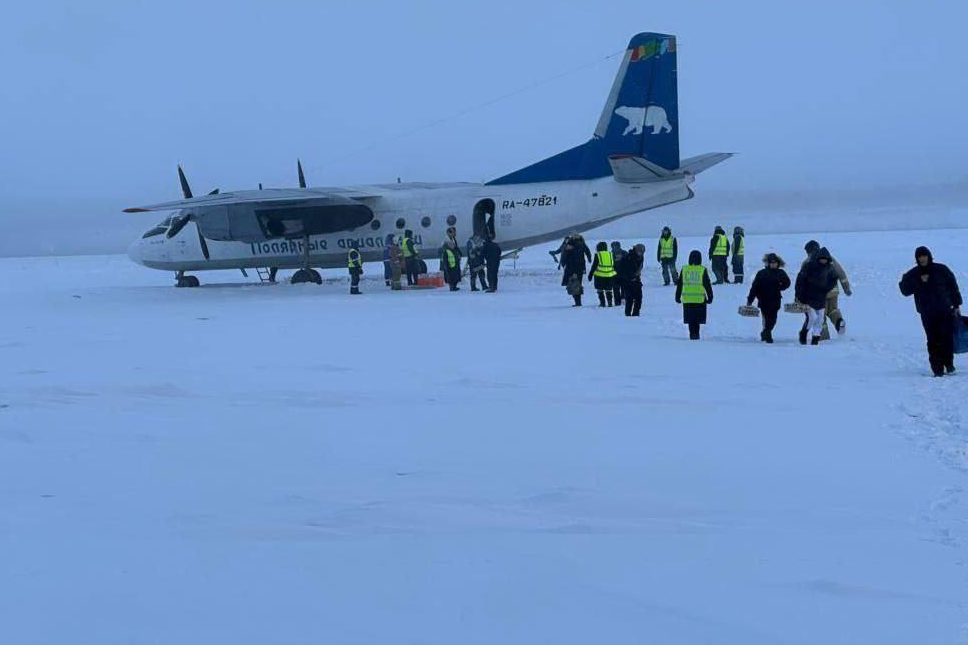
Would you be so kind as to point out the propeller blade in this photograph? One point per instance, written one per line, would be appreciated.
(177, 225)
(260, 185)
(186, 191)
(302, 177)
(202, 242)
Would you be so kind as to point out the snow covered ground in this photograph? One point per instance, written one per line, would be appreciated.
(248, 463)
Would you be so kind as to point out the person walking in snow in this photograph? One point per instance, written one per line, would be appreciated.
(603, 273)
(572, 262)
(718, 252)
(767, 288)
(938, 300)
(630, 272)
(354, 264)
(694, 292)
(832, 304)
(666, 254)
(618, 289)
(492, 260)
(739, 254)
(815, 279)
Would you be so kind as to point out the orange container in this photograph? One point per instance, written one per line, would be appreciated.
(430, 280)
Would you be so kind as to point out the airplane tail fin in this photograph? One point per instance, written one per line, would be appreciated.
(640, 119)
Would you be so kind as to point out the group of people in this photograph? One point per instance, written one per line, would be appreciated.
(401, 257)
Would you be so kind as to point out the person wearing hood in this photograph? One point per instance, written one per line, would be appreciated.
(630, 272)
(618, 288)
(572, 262)
(475, 263)
(666, 254)
(694, 292)
(832, 304)
(938, 300)
(815, 279)
(392, 262)
(603, 273)
(450, 257)
(767, 288)
(718, 252)
(739, 252)
(411, 259)
(492, 260)
(354, 263)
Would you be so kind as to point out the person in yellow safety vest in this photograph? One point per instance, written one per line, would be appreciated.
(603, 272)
(410, 257)
(450, 257)
(718, 252)
(354, 262)
(666, 255)
(694, 292)
(739, 250)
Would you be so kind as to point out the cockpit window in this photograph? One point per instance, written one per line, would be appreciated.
(159, 228)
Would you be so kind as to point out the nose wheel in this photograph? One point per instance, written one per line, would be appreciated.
(182, 280)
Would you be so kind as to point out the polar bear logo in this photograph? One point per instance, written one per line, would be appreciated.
(653, 117)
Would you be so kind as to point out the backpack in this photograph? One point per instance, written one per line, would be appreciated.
(961, 335)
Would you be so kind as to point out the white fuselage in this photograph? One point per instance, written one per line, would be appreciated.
(524, 215)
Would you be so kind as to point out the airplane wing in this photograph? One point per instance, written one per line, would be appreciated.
(269, 196)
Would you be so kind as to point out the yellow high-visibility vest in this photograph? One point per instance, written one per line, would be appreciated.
(451, 258)
(721, 244)
(693, 291)
(741, 249)
(406, 247)
(665, 247)
(353, 260)
(606, 265)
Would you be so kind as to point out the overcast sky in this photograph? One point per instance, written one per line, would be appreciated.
(100, 100)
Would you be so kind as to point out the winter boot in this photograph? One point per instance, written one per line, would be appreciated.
(815, 340)
(608, 297)
(355, 291)
(841, 326)
(768, 337)
(763, 335)
(601, 298)
(950, 369)
(803, 336)
(577, 301)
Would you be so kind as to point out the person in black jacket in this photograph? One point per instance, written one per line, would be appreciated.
(666, 254)
(630, 273)
(815, 279)
(693, 311)
(492, 258)
(938, 300)
(618, 291)
(767, 289)
(573, 253)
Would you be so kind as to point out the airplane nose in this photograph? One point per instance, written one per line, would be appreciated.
(134, 252)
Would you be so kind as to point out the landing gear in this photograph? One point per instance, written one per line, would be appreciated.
(306, 275)
(182, 280)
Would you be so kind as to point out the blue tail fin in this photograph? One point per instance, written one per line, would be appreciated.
(640, 118)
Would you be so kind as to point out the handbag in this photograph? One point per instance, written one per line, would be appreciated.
(961, 335)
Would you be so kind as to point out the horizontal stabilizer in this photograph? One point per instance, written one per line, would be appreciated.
(695, 165)
(629, 169)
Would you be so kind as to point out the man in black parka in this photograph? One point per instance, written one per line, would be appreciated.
(938, 300)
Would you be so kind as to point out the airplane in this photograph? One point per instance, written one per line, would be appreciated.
(631, 164)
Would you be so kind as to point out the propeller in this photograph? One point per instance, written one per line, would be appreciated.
(302, 177)
(180, 222)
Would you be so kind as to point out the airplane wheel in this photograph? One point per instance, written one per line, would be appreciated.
(187, 281)
(318, 279)
(301, 276)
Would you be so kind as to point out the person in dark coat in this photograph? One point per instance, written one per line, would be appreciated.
(475, 263)
(694, 291)
(739, 254)
(767, 288)
(450, 257)
(492, 259)
(718, 252)
(411, 257)
(938, 300)
(630, 272)
(573, 264)
(618, 289)
(815, 279)
(603, 273)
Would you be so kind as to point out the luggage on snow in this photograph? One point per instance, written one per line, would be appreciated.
(748, 311)
(961, 335)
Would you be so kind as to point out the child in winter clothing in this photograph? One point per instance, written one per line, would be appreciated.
(767, 288)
